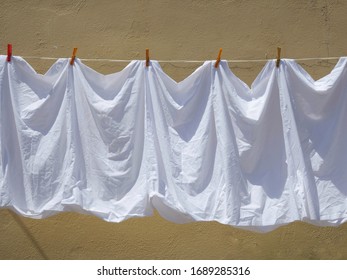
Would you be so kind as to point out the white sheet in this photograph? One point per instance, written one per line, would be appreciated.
(207, 148)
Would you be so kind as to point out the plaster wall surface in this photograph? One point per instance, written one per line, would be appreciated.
(172, 30)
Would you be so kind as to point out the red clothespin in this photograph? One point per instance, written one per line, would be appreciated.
(72, 60)
(278, 57)
(147, 57)
(9, 52)
(218, 58)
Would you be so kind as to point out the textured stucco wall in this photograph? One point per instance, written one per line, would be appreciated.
(192, 30)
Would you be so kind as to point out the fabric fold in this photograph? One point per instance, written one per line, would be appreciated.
(319, 109)
(34, 138)
(110, 139)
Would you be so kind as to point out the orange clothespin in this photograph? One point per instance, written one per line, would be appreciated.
(9, 52)
(278, 57)
(218, 58)
(72, 60)
(147, 57)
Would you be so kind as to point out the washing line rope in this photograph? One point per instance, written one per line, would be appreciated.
(182, 61)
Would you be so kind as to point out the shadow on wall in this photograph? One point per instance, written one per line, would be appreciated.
(77, 236)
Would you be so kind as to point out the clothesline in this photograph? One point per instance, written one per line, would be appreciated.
(182, 61)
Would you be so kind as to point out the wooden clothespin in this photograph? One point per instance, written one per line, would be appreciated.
(278, 57)
(9, 52)
(147, 57)
(72, 60)
(218, 58)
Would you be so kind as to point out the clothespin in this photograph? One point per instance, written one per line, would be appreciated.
(72, 60)
(147, 57)
(218, 58)
(9, 52)
(278, 57)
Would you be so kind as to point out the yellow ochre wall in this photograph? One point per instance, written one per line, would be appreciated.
(172, 30)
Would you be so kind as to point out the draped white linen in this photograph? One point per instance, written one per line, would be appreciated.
(206, 149)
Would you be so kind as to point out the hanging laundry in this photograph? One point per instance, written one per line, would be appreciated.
(209, 148)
